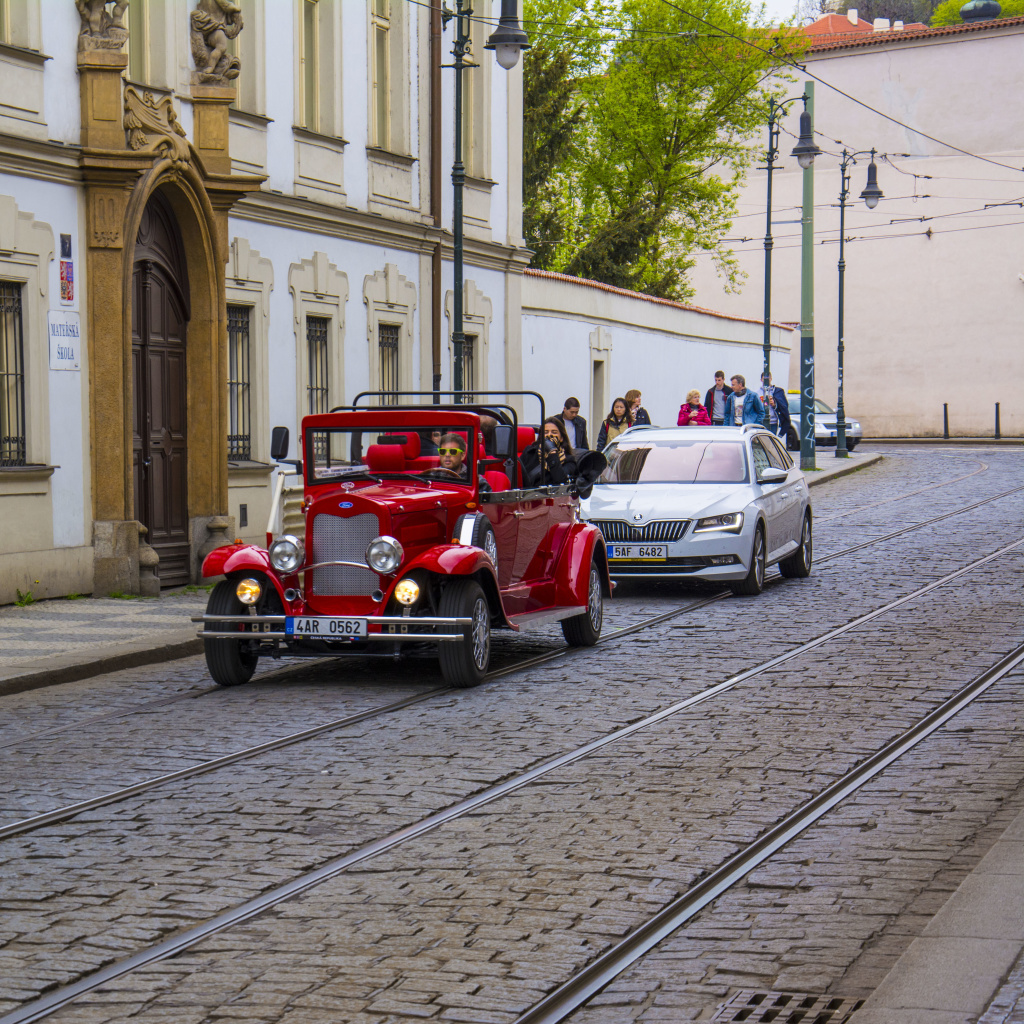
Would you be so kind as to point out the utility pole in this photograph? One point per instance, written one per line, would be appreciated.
(806, 426)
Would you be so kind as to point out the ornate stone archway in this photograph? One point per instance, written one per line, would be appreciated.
(133, 148)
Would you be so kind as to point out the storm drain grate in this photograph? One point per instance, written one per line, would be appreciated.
(786, 1008)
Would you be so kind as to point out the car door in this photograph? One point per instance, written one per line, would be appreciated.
(794, 494)
(770, 500)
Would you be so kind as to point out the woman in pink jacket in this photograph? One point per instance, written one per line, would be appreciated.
(692, 413)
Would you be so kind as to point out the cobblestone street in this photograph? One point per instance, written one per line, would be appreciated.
(476, 918)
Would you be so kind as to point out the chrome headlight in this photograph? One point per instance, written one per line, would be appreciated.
(248, 591)
(287, 553)
(731, 522)
(384, 554)
(407, 591)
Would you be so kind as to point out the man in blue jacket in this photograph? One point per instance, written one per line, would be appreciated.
(778, 406)
(742, 406)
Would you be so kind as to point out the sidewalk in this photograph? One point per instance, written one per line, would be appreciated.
(59, 641)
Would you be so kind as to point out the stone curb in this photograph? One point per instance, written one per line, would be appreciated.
(66, 670)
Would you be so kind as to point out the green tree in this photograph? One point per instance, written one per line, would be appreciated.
(948, 12)
(646, 138)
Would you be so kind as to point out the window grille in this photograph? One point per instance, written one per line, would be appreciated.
(381, 84)
(316, 339)
(388, 335)
(469, 363)
(12, 377)
(239, 423)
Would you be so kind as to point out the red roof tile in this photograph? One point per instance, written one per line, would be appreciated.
(849, 40)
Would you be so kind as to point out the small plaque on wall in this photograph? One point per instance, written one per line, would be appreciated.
(63, 328)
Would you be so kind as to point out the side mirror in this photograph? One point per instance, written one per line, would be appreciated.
(589, 467)
(771, 475)
(504, 441)
(279, 443)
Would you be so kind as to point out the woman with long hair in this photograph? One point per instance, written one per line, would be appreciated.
(558, 456)
(617, 421)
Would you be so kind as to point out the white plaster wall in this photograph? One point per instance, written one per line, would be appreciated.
(927, 319)
(60, 207)
(60, 25)
(660, 349)
(280, 71)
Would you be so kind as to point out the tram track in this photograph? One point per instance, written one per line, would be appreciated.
(581, 988)
(38, 821)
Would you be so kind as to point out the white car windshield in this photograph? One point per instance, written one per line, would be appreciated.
(675, 462)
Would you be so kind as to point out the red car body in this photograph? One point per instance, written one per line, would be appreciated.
(542, 565)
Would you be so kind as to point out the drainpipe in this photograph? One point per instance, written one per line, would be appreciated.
(435, 193)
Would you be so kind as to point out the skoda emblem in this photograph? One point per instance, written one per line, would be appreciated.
(638, 516)
(344, 504)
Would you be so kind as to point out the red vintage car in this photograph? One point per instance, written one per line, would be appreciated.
(420, 538)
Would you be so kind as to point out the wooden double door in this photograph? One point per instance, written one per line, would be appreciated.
(159, 392)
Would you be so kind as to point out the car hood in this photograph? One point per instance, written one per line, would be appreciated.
(665, 501)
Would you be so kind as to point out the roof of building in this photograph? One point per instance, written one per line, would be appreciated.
(833, 37)
(584, 282)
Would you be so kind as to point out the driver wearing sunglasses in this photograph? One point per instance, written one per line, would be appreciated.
(452, 455)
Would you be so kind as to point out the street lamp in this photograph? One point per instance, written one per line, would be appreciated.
(507, 40)
(871, 194)
(805, 151)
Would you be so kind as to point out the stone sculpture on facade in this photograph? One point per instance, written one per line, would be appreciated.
(213, 24)
(153, 125)
(101, 29)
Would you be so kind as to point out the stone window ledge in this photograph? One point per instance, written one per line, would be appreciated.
(31, 472)
(250, 469)
(249, 118)
(24, 54)
(305, 133)
(403, 159)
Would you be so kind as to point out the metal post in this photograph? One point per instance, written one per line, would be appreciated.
(773, 134)
(945, 421)
(806, 425)
(998, 434)
(462, 25)
(841, 452)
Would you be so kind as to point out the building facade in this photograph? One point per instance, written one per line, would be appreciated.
(216, 217)
(934, 300)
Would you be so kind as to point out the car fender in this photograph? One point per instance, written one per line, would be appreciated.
(461, 560)
(239, 559)
(584, 544)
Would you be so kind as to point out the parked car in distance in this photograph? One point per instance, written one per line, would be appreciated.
(825, 418)
(713, 503)
(419, 540)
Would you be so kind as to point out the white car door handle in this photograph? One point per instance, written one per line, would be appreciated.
(784, 494)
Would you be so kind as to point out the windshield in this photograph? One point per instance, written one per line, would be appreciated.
(675, 462)
(431, 452)
(819, 406)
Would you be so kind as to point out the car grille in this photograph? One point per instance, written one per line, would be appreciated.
(666, 530)
(337, 539)
(668, 567)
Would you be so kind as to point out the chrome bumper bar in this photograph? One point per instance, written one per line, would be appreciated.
(395, 627)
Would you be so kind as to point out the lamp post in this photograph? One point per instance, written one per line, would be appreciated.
(507, 40)
(805, 151)
(871, 194)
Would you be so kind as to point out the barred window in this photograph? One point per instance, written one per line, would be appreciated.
(12, 377)
(469, 363)
(316, 339)
(388, 335)
(239, 423)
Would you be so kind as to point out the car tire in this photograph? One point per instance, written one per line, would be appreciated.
(753, 583)
(584, 630)
(852, 443)
(476, 529)
(228, 663)
(798, 565)
(465, 664)
(792, 440)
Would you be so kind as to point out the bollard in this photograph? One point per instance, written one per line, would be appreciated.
(945, 420)
(998, 435)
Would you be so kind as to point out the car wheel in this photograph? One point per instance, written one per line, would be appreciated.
(753, 583)
(228, 662)
(852, 443)
(465, 664)
(792, 440)
(584, 630)
(798, 565)
(476, 529)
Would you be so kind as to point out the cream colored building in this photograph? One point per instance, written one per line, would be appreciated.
(934, 293)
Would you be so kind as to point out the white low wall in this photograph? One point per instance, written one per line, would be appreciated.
(662, 348)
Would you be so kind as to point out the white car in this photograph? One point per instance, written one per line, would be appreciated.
(715, 503)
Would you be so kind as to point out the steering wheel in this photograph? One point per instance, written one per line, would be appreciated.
(442, 469)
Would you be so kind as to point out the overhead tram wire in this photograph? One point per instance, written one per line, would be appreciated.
(835, 88)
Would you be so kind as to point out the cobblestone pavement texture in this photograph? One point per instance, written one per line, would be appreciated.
(476, 920)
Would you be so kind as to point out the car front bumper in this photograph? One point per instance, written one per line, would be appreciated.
(696, 556)
(393, 628)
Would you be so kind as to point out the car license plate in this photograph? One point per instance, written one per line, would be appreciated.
(323, 627)
(639, 552)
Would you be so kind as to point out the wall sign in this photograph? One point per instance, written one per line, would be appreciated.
(67, 271)
(63, 328)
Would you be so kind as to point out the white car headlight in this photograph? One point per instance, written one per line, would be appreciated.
(384, 554)
(287, 553)
(731, 522)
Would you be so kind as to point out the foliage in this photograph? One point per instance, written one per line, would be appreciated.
(118, 595)
(24, 599)
(73, 597)
(948, 12)
(639, 125)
